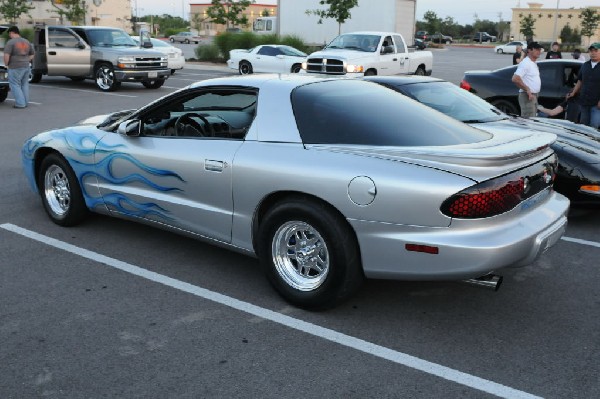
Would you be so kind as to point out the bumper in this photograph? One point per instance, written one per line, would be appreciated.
(139, 76)
(468, 248)
(176, 63)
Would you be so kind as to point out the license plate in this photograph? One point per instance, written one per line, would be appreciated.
(152, 74)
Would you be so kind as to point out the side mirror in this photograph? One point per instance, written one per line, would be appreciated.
(145, 39)
(81, 45)
(130, 128)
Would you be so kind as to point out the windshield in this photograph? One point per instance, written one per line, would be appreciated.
(351, 41)
(454, 101)
(110, 38)
(287, 50)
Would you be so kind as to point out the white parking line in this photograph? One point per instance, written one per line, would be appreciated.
(296, 324)
(582, 242)
(86, 91)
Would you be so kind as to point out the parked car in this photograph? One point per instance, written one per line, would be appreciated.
(484, 37)
(422, 34)
(440, 38)
(510, 48)
(577, 146)
(176, 59)
(275, 58)
(558, 77)
(185, 37)
(326, 181)
(420, 44)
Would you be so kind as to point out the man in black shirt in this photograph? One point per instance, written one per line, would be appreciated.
(588, 88)
(554, 53)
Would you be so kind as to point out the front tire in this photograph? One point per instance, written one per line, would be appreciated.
(153, 84)
(309, 254)
(60, 191)
(296, 68)
(3, 95)
(105, 78)
(245, 68)
(420, 72)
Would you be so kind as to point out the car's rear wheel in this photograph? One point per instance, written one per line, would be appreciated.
(500, 51)
(420, 71)
(105, 78)
(187, 41)
(153, 84)
(34, 77)
(3, 95)
(245, 68)
(506, 106)
(309, 253)
(172, 40)
(60, 191)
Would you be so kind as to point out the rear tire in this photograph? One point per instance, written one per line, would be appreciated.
(370, 72)
(500, 51)
(309, 253)
(506, 106)
(245, 68)
(60, 191)
(3, 95)
(420, 72)
(172, 40)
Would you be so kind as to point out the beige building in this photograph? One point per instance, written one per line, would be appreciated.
(210, 28)
(549, 22)
(115, 13)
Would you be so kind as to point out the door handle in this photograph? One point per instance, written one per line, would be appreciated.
(214, 166)
(51, 52)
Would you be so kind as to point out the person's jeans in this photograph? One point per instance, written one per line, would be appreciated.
(590, 115)
(18, 80)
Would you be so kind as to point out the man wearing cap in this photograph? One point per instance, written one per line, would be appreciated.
(527, 79)
(588, 88)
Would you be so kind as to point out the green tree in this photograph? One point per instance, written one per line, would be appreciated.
(13, 9)
(265, 13)
(196, 21)
(432, 22)
(337, 9)
(228, 13)
(450, 27)
(527, 25)
(72, 10)
(589, 22)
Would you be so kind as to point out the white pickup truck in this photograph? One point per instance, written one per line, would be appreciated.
(368, 53)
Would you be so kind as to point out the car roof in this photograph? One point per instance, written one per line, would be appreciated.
(401, 80)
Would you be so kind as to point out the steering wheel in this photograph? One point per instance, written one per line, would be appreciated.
(185, 120)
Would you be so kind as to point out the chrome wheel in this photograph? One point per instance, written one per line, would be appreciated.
(300, 255)
(105, 78)
(56, 190)
(245, 68)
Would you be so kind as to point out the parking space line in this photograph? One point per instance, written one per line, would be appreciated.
(85, 91)
(293, 323)
(582, 242)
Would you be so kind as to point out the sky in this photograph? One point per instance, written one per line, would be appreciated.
(462, 11)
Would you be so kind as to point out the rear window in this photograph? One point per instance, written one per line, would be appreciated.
(363, 113)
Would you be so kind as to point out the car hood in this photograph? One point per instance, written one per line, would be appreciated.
(570, 136)
(505, 152)
(342, 54)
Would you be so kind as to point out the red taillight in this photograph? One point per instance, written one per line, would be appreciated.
(479, 202)
(422, 248)
(465, 85)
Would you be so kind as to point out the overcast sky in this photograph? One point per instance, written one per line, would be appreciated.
(462, 11)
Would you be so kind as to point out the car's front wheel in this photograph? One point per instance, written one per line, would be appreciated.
(296, 68)
(420, 72)
(153, 84)
(60, 191)
(309, 253)
(3, 95)
(245, 68)
(105, 78)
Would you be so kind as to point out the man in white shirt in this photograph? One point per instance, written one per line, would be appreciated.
(527, 79)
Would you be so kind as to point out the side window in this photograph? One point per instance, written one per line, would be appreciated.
(399, 44)
(61, 38)
(269, 25)
(205, 113)
(549, 75)
(266, 50)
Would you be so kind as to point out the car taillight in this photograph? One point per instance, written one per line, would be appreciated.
(465, 85)
(499, 195)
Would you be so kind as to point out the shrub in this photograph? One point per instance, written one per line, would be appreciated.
(209, 52)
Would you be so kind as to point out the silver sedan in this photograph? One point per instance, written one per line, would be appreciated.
(325, 181)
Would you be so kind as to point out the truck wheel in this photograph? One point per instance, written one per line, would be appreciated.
(172, 40)
(370, 72)
(506, 106)
(60, 191)
(105, 78)
(500, 51)
(187, 41)
(245, 68)
(420, 71)
(153, 84)
(34, 77)
(309, 253)
(3, 95)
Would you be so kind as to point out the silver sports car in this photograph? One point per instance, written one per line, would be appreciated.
(325, 181)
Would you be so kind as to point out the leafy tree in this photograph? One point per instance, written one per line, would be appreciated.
(265, 13)
(228, 13)
(432, 22)
(338, 10)
(589, 22)
(196, 21)
(527, 25)
(485, 25)
(13, 9)
(72, 10)
(165, 22)
(450, 27)
(570, 35)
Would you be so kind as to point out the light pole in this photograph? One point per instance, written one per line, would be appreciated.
(555, 21)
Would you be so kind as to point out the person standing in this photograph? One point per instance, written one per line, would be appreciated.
(519, 55)
(554, 53)
(18, 53)
(577, 55)
(527, 79)
(588, 88)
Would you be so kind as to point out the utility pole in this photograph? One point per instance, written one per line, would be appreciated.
(554, 37)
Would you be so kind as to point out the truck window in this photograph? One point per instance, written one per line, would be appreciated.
(61, 38)
(399, 44)
(269, 25)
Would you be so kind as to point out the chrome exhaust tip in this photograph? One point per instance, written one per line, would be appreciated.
(489, 281)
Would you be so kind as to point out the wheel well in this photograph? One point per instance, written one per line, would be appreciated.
(371, 70)
(269, 202)
(40, 154)
(101, 62)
